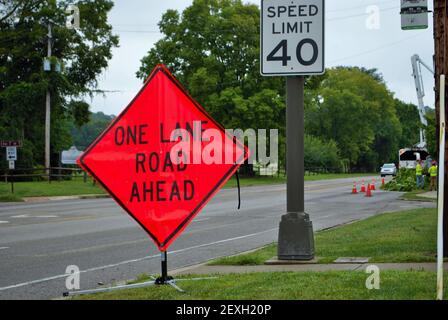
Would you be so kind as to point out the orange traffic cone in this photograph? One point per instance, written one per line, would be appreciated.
(355, 189)
(383, 182)
(372, 186)
(363, 187)
(369, 191)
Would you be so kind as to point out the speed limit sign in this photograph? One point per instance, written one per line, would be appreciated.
(292, 37)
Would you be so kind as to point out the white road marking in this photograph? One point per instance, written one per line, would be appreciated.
(199, 220)
(4, 222)
(30, 216)
(4, 248)
(135, 260)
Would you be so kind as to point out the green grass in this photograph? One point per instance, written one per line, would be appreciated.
(407, 236)
(255, 181)
(9, 197)
(78, 187)
(45, 189)
(350, 285)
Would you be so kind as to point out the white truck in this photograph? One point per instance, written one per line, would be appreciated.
(408, 157)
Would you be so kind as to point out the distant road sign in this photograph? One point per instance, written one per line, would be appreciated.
(292, 37)
(10, 143)
(11, 153)
(132, 158)
(70, 156)
(12, 165)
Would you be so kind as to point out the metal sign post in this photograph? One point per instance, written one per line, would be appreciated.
(292, 45)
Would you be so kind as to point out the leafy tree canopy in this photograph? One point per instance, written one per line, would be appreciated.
(83, 54)
(353, 107)
(212, 47)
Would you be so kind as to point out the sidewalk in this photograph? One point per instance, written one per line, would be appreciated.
(204, 269)
(429, 195)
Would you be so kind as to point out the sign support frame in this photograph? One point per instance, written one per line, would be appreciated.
(164, 279)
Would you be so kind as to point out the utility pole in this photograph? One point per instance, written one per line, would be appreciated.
(441, 67)
(48, 109)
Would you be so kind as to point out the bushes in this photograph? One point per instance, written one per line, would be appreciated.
(321, 154)
(404, 181)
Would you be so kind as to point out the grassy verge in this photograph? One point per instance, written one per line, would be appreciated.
(9, 197)
(255, 181)
(407, 236)
(45, 189)
(78, 187)
(392, 237)
(395, 285)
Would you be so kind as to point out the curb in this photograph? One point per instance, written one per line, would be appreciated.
(418, 199)
(60, 198)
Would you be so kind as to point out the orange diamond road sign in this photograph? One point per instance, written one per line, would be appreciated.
(163, 158)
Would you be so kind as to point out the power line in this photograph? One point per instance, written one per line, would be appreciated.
(391, 44)
(360, 14)
(232, 30)
(377, 3)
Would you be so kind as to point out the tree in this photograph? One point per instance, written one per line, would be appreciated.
(213, 49)
(83, 54)
(353, 107)
(321, 154)
(84, 135)
(410, 123)
(340, 117)
(431, 134)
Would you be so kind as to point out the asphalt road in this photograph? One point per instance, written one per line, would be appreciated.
(38, 241)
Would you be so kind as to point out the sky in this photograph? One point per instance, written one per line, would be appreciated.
(353, 37)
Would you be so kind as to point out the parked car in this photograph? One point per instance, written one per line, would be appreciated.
(388, 169)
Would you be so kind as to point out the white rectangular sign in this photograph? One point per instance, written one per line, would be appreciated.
(413, 4)
(414, 21)
(414, 14)
(292, 37)
(12, 164)
(11, 153)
